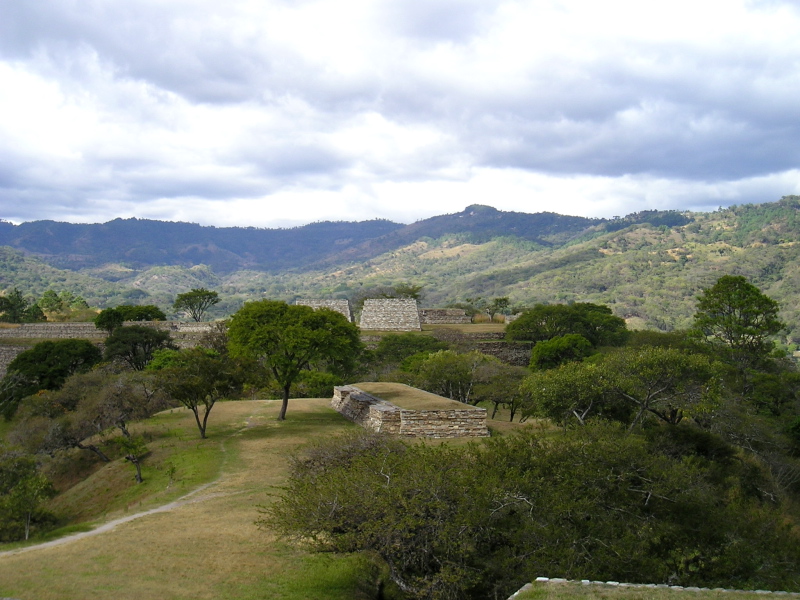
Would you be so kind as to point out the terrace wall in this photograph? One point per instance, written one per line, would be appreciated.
(390, 314)
(378, 415)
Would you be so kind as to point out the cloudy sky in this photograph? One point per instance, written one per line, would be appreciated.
(281, 112)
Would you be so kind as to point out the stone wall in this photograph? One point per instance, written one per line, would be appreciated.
(443, 316)
(381, 416)
(341, 306)
(184, 334)
(7, 354)
(390, 314)
(512, 353)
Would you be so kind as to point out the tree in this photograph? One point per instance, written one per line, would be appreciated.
(664, 382)
(15, 308)
(736, 317)
(109, 319)
(560, 349)
(545, 321)
(135, 345)
(199, 378)
(22, 490)
(453, 375)
(145, 312)
(45, 367)
(196, 302)
(290, 338)
(393, 348)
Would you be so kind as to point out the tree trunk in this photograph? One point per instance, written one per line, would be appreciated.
(285, 404)
(135, 460)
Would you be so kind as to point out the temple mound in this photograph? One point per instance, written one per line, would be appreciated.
(401, 410)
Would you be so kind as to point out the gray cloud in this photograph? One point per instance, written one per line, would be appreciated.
(119, 105)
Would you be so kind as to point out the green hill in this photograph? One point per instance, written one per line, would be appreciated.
(648, 266)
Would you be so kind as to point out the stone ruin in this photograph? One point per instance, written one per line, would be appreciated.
(340, 306)
(381, 416)
(444, 316)
(390, 314)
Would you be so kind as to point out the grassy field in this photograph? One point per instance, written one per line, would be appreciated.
(207, 547)
(576, 591)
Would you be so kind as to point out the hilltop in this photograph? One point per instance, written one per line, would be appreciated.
(648, 266)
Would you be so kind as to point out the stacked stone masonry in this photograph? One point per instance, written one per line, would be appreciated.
(340, 306)
(378, 415)
(184, 335)
(390, 314)
(443, 316)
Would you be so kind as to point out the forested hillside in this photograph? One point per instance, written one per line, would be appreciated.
(648, 266)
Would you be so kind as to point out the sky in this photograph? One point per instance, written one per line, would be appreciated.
(276, 113)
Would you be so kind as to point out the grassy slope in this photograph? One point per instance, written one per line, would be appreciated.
(576, 591)
(209, 548)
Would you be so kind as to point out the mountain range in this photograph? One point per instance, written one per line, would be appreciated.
(648, 266)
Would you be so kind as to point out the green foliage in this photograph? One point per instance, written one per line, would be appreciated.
(109, 319)
(146, 312)
(393, 348)
(734, 316)
(560, 349)
(22, 490)
(544, 322)
(452, 374)
(198, 378)
(44, 367)
(289, 339)
(15, 308)
(135, 345)
(196, 302)
(596, 503)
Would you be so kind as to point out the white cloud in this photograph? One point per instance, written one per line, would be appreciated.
(276, 112)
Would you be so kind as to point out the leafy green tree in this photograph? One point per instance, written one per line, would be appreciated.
(198, 378)
(135, 345)
(560, 349)
(454, 375)
(545, 321)
(15, 308)
(22, 490)
(109, 319)
(735, 317)
(196, 302)
(133, 448)
(393, 348)
(666, 383)
(291, 338)
(500, 386)
(145, 312)
(45, 367)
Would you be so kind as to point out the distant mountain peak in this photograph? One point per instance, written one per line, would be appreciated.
(478, 209)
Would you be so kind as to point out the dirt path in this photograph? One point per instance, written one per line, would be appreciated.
(189, 498)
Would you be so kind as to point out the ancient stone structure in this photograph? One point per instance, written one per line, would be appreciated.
(381, 416)
(341, 306)
(184, 334)
(7, 354)
(512, 353)
(444, 316)
(390, 314)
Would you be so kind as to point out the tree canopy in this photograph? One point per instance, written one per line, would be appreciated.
(135, 345)
(291, 338)
(544, 322)
(734, 316)
(196, 302)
